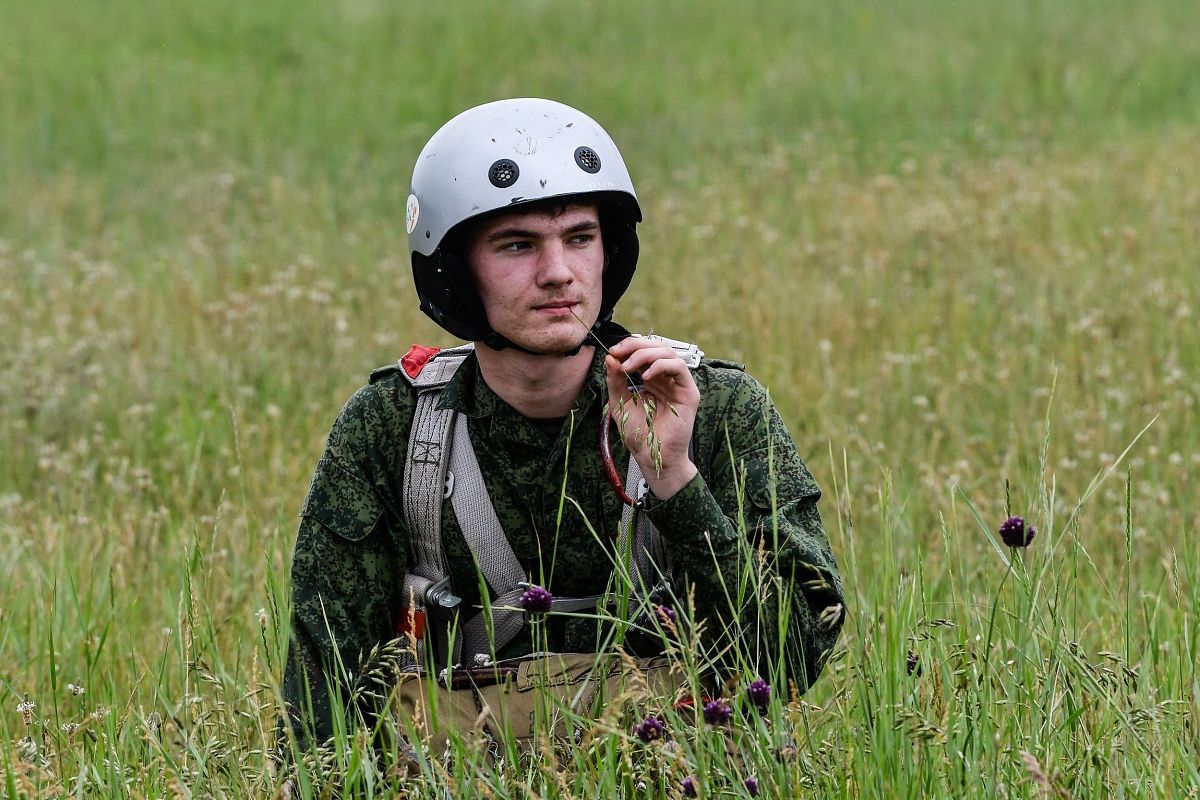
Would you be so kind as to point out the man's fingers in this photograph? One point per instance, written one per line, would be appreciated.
(645, 356)
(664, 371)
(671, 368)
(618, 384)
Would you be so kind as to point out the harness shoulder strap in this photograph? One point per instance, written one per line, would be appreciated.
(490, 548)
(426, 587)
(425, 470)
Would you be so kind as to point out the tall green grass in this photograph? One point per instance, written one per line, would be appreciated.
(957, 242)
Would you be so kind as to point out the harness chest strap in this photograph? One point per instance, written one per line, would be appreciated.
(441, 461)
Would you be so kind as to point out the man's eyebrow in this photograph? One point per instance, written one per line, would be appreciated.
(511, 233)
(521, 233)
(586, 225)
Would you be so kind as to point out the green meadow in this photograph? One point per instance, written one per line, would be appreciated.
(958, 242)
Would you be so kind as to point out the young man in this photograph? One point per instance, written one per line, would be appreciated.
(521, 224)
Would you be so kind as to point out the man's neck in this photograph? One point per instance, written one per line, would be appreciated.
(540, 387)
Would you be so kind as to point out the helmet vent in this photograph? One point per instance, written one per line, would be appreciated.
(504, 173)
(587, 159)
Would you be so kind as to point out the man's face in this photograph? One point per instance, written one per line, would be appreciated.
(540, 273)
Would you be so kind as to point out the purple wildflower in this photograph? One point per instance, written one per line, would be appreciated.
(1015, 533)
(717, 712)
(690, 789)
(536, 600)
(666, 614)
(751, 786)
(759, 693)
(649, 729)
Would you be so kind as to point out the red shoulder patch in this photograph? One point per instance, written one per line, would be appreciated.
(416, 358)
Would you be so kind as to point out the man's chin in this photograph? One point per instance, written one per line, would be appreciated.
(563, 348)
(553, 340)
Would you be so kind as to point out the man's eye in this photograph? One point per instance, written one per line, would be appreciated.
(514, 247)
(582, 238)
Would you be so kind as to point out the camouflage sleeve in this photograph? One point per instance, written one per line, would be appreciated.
(346, 570)
(753, 510)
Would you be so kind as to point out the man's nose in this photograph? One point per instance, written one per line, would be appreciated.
(553, 267)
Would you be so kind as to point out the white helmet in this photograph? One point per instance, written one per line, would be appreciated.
(500, 156)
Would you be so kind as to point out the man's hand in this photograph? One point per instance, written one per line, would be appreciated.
(666, 379)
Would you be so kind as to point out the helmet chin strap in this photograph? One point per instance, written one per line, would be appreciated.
(606, 332)
(498, 342)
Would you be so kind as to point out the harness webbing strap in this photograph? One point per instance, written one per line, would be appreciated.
(490, 548)
(425, 472)
(649, 554)
(424, 479)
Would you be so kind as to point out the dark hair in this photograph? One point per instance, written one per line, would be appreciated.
(458, 239)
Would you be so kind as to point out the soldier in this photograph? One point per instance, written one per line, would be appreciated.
(482, 469)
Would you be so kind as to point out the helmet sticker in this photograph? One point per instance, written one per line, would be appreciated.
(411, 213)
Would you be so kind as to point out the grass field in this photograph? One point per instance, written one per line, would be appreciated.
(957, 241)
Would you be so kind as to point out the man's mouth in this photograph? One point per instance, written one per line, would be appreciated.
(557, 307)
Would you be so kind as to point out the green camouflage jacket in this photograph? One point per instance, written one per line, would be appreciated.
(352, 546)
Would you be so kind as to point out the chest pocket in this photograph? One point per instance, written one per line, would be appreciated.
(342, 502)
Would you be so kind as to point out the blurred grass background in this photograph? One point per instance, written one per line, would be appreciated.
(911, 220)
